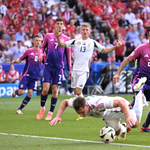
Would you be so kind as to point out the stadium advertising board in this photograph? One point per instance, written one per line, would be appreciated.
(7, 89)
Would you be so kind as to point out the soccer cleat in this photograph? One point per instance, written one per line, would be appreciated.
(19, 112)
(122, 136)
(145, 104)
(145, 129)
(79, 118)
(140, 84)
(49, 116)
(40, 114)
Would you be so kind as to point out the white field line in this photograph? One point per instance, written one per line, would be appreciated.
(17, 102)
(74, 140)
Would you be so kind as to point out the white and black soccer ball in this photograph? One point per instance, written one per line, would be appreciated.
(107, 134)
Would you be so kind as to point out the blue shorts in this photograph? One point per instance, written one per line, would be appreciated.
(146, 88)
(52, 74)
(27, 82)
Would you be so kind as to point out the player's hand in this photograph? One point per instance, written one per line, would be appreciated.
(129, 121)
(13, 62)
(119, 43)
(70, 74)
(57, 32)
(116, 78)
(55, 121)
(40, 57)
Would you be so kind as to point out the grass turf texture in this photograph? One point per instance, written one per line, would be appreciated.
(86, 129)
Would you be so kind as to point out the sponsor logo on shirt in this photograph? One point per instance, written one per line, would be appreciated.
(52, 40)
(89, 44)
(146, 55)
(83, 44)
(32, 54)
(79, 43)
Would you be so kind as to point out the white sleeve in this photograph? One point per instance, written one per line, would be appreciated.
(70, 43)
(70, 102)
(98, 46)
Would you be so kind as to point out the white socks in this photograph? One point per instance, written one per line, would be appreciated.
(138, 105)
(79, 95)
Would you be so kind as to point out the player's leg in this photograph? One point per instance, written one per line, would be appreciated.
(54, 99)
(80, 83)
(57, 76)
(115, 124)
(22, 87)
(145, 127)
(74, 81)
(82, 77)
(25, 101)
(44, 96)
(32, 86)
(138, 105)
(46, 85)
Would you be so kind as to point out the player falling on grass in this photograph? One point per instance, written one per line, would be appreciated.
(141, 75)
(110, 109)
(53, 68)
(31, 72)
(83, 51)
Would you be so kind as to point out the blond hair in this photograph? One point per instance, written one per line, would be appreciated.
(85, 25)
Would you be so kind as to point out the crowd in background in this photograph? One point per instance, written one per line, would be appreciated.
(20, 20)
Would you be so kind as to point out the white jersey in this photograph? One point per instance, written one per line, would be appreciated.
(99, 105)
(83, 51)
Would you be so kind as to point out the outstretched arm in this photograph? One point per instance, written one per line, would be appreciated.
(124, 107)
(62, 108)
(123, 64)
(110, 49)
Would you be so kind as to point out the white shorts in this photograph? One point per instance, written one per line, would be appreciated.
(79, 79)
(112, 119)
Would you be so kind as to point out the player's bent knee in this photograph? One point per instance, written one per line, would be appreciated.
(21, 92)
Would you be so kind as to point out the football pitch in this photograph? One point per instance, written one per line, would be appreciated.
(24, 132)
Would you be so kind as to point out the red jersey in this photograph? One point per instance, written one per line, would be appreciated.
(119, 50)
(113, 23)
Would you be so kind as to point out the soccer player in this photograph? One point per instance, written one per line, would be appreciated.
(53, 68)
(110, 109)
(83, 50)
(31, 72)
(141, 74)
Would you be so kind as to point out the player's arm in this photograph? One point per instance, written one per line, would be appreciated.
(58, 33)
(122, 66)
(16, 61)
(124, 107)
(60, 42)
(62, 108)
(110, 49)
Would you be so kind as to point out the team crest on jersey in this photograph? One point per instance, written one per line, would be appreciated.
(79, 43)
(132, 54)
(89, 44)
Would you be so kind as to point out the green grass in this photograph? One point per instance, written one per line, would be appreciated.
(86, 129)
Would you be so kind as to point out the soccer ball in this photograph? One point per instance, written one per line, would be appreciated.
(107, 134)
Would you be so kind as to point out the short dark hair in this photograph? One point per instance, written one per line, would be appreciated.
(59, 19)
(79, 102)
(36, 35)
(148, 30)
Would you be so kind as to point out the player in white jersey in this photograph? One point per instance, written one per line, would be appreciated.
(110, 109)
(83, 50)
